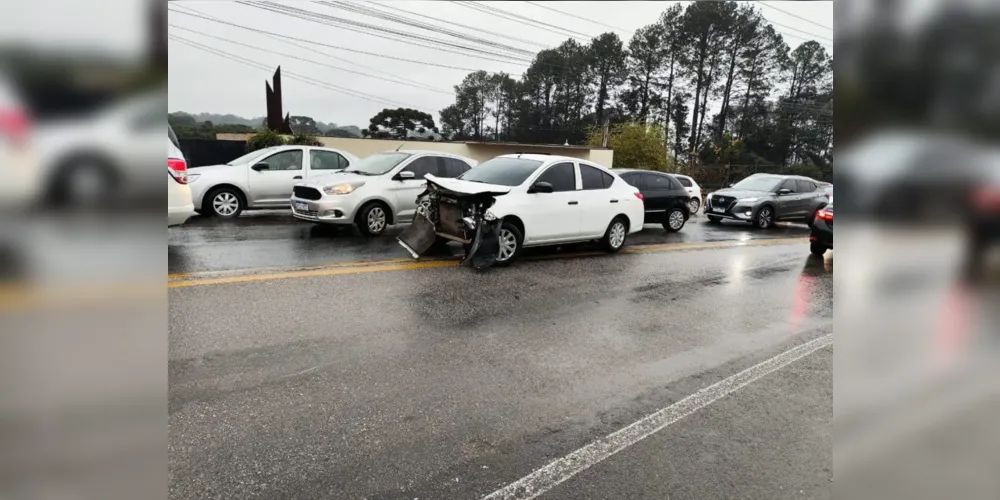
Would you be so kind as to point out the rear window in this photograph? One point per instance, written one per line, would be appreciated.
(684, 181)
(502, 171)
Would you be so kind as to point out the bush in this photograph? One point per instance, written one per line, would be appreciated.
(635, 146)
(264, 139)
(304, 140)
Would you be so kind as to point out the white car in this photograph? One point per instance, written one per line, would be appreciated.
(262, 178)
(693, 191)
(533, 200)
(379, 190)
(179, 205)
(106, 155)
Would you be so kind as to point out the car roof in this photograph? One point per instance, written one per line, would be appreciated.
(427, 152)
(542, 157)
(620, 171)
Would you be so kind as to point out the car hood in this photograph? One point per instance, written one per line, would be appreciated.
(741, 193)
(458, 187)
(334, 178)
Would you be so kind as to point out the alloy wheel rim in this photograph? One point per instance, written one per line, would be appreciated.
(676, 219)
(376, 220)
(508, 245)
(765, 217)
(225, 204)
(693, 205)
(617, 235)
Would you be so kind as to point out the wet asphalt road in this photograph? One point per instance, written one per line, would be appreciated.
(447, 383)
(272, 238)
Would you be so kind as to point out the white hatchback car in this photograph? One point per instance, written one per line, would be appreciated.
(693, 191)
(179, 205)
(538, 200)
(379, 190)
(262, 178)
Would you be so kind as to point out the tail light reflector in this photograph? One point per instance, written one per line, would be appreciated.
(987, 198)
(15, 124)
(178, 170)
(639, 195)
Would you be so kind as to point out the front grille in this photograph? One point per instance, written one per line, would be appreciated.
(722, 201)
(306, 193)
(310, 213)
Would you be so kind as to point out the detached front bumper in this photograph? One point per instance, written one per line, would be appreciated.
(338, 209)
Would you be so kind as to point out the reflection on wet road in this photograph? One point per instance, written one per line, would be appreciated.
(438, 382)
(274, 239)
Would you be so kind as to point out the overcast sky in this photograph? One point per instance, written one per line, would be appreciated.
(205, 82)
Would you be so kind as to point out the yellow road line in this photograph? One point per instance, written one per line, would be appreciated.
(342, 268)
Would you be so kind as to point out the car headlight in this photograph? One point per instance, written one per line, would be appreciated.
(748, 200)
(344, 188)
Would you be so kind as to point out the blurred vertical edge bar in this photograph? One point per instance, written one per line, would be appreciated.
(83, 342)
(917, 93)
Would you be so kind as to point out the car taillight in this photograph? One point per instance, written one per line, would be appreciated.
(987, 198)
(639, 195)
(178, 170)
(826, 214)
(15, 124)
(827, 195)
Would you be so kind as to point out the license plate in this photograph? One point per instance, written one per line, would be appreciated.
(302, 207)
(719, 210)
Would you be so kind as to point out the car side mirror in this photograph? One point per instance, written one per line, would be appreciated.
(406, 174)
(784, 191)
(261, 166)
(541, 187)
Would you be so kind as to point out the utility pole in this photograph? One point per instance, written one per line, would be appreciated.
(604, 142)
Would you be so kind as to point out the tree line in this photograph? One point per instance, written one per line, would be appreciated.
(775, 103)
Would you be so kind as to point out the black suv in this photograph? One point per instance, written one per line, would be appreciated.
(764, 199)
(665, 198)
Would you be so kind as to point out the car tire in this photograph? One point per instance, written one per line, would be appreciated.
(713, 219)
(764, 218)
(509, 235)
(817, 249)
(675, 220)
(615, 235)
(225, 202)
(84, 182)
(693, 205)
(372, 219)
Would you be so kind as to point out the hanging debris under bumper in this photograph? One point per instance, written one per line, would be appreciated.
(455, 210)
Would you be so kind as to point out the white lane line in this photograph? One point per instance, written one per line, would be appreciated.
(558, 471)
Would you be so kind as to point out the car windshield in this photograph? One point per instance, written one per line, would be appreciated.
(377, 164)
(251, 155)
(758, 183)
(502, 171)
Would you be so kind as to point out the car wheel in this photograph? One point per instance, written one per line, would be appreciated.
(373, 219)
(713, 219)
(817, 249)
(225, 202)
(764, 218)
(510, 241)
(675, 220)
(85, 183)
(693, 205)
(614, 237)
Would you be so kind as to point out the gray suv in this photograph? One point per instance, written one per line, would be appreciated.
(764, 199)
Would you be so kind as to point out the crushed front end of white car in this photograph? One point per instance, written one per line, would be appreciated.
(454, 210)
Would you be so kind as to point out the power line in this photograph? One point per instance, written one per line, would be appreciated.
(518, 19)
(339, 47)
(310, 61)
(522, 40)
(331, 56)
(408, 21)
(578, 17)
(293, 76)
(407, 38)
(794, 15)
(801, 31)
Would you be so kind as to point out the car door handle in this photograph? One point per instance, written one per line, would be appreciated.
(297, 177)
(614, 201)
(573, 203)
